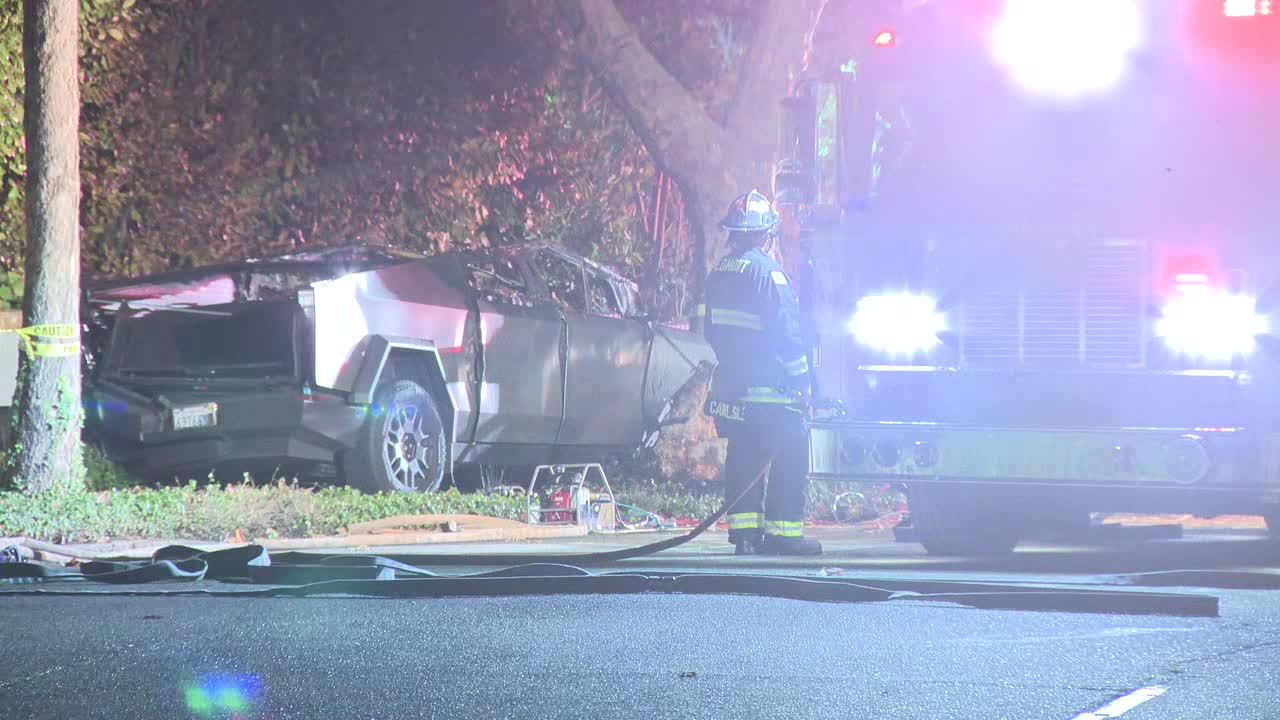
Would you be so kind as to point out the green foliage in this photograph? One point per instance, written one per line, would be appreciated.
(672, 500)
(215, 513)
(215, 131)
(101, 473)
(12, 285)
(694, 500)
(13, 156)
(108, 28)
(113, 507)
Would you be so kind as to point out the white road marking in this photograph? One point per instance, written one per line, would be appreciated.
(1123, 704)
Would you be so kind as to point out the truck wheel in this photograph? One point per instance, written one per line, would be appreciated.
(957, 521)
(401, 447)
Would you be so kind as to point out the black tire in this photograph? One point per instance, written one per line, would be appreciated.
(402, 445)
(958, 521)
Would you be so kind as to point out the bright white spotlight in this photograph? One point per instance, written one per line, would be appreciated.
(1211, 325)
(900, 325)
(1068, 49)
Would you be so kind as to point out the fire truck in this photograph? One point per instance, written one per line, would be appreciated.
(1039, 243)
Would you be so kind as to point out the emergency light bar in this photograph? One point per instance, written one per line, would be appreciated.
(1246, 8)
(1242, 28)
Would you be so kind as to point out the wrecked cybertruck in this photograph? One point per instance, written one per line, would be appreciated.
(1042, 255)
(393, 371)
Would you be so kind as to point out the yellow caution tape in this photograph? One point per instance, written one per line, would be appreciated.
(55, 349)
(51, 331)
(38, 348)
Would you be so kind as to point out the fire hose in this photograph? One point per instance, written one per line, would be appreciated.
(303, 574)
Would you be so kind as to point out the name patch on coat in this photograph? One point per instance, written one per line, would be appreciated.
(726, 410)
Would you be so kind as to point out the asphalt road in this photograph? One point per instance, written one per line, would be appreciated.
(650, 656)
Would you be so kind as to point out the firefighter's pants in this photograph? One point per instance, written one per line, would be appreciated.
(776, 504)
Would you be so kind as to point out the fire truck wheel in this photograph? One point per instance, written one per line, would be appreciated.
(401, 447)
(961, 521)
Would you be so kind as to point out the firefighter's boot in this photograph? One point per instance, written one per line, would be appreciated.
(746, 542)
(789, 545)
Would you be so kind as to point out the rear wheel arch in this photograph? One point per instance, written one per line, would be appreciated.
(424, 368)
(392, 358)
(389, 359)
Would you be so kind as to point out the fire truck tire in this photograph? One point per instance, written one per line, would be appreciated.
(401, 446)
(960, 521)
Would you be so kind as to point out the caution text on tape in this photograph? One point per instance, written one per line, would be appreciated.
(35, 337)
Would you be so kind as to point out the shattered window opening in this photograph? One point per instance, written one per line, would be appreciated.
(604, 301)
(497, 281)
(563, 280)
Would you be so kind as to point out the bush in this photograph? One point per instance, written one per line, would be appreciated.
(696, 500)
(671, 500)
(217, 513)
(101, 473)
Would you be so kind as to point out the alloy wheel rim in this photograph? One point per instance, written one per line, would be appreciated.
(407, 447)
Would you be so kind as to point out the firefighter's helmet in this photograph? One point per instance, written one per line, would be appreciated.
(750, 213)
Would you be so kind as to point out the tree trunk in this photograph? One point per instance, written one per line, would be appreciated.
(774, 58)
(711, 162)
(50, 415)
(676, 130)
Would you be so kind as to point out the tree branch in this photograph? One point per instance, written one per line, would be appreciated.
(674, 127)
(680, 136)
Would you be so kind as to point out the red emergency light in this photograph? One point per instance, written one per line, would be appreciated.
(885, 38)
(1188, 273)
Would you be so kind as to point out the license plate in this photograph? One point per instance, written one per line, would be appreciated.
(198, 416)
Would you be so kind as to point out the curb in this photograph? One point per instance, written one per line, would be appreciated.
(378, 533)
(385, 539)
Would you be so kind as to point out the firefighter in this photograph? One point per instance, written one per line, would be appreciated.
(759, 394)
